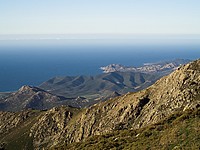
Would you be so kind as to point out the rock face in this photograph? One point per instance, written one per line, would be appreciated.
(10, 120)
(16, 129)
(147, 68)
(52, 126)
(178, 92)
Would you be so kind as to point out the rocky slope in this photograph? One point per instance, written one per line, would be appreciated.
(16, 129)
(178, 92)
(178, 131)
(31, 97)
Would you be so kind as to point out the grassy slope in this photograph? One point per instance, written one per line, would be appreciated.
(179, 131)
(86, 86)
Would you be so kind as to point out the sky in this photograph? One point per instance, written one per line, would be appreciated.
(99, 17)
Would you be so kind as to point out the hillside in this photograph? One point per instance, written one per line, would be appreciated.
(80, 91)
(16, 128)
(177, 93)
(28, 97)
(115, 79)
(178, 131)
(84, 91)
(99, 87)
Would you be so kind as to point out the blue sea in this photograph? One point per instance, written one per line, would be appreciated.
(31, 62)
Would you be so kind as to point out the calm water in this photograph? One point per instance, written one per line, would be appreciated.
(31, 63)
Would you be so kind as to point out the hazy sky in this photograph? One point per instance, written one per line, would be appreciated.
(99, 16)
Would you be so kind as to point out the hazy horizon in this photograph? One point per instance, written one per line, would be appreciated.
(42, 39)
(102, 17)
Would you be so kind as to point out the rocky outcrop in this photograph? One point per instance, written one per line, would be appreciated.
(10, 120)
(51, 126)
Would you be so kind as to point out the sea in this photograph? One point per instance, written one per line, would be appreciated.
(33, 61)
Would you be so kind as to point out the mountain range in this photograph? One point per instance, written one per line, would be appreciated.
(114, 83)
(81, 91)
(165, 115)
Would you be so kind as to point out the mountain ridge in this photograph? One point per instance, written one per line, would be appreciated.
(30, 97)
(102, 85)
(84, 91)
(136, 110)
(176, 93)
